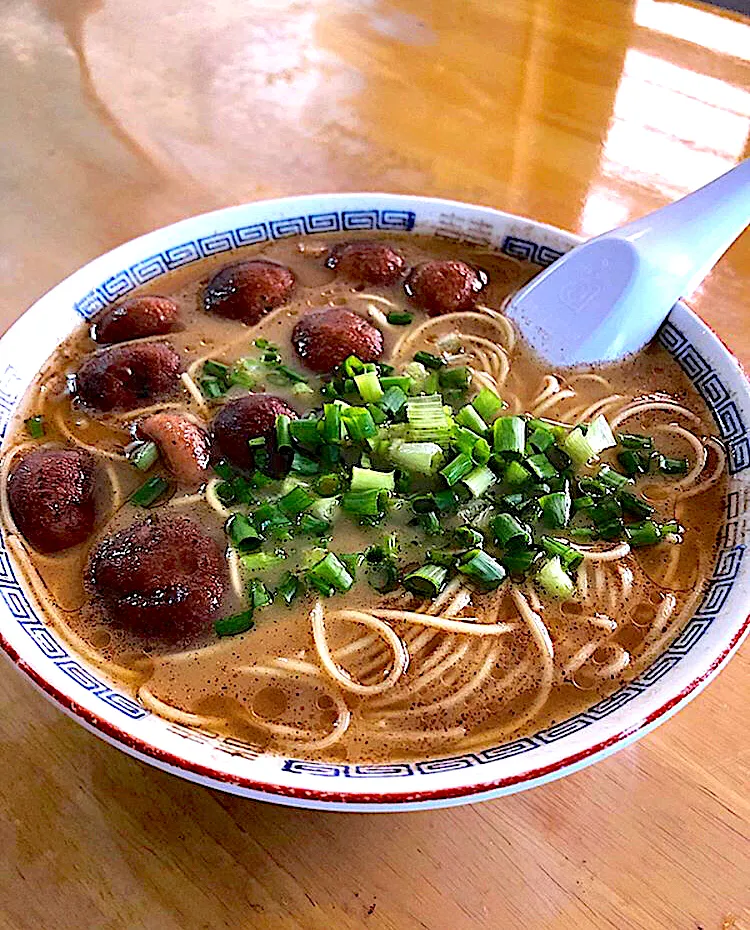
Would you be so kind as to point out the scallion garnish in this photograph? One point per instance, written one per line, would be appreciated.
(643, 534)
(510, 532)
(35, 426)
(487, 404)
(329, 576)
(482, 568)
(288, 587)
(426, 581)
(479, 480)
(370, 503)
(237, 623)
(242, 534)
(669, 466)
(296, 501)
(457, 468)
(143, 455)
(429, 360)
(399, 318)
(150, 492)
(554, 580)
(470, 418)
(509, 435)
(364, 479)
(283, 432)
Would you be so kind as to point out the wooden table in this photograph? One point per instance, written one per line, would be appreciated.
(123, 115)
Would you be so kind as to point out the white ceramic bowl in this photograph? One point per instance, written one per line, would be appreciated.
(704, 646)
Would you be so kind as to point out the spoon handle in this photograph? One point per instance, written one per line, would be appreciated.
(608, 297)
(686, 238)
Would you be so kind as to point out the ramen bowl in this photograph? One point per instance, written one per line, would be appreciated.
(677, 675)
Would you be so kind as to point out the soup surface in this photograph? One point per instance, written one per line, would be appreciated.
(428, 542)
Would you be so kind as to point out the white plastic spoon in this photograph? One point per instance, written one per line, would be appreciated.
(607, 297)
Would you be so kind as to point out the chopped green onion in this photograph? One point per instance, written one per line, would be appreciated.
(296, 501)
(331, 430)
(403, 382)
(518, 561)
(540, 466)
(245, 372)
(270, 520)
(559, 458)
(487, 404)
(368, 503)
(599, 435)
(583, 502)
(424, 458)
(578, 447)
(430, 523)
(399, 318)
(429, 360)
(363, 479)
(446, 499)
(262, 561)
(553, 578)
(283, 433)
(149, 492)
(541, 438)
(369, 387)
(285, 373)
(237, 623)
(479, 480)
(378, 414)
(305, 432)
(482, 568)
(313, 525)
(569, 557)
(510, 532)
(428, 418)
(354, 366)
(515, 473)
(611, 478)
(607, 518)
(634, 441)
(330, 575)
(461, 465)
(454, 379)
(303, 465)
(426, 581)
(509, 435)
(242, 534)
(393, 400)
(359, 423)
(631, 463)
(258, 594)
(668, 466)
(556, 509)
(328, 485)
(469, 417)
(635, 506)
(216, 369)
(466, 537)
(35, 426)
(211, 388)
(288, 588)
(643, 534)
(583, 534)
(144, 455)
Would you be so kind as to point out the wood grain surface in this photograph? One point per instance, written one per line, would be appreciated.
(118, 116)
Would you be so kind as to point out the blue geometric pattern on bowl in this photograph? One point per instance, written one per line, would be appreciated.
(707, 381)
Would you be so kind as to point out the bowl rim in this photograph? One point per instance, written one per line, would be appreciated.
(364, 800)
